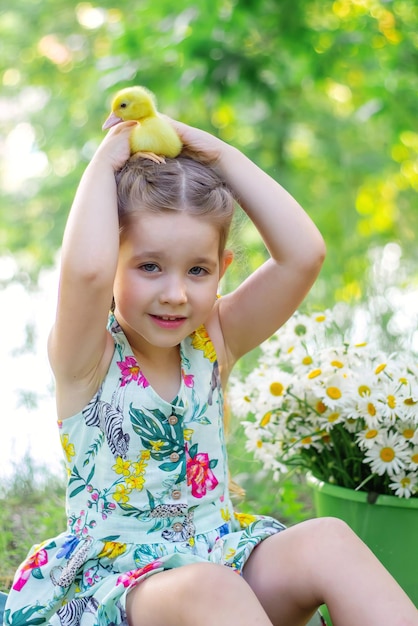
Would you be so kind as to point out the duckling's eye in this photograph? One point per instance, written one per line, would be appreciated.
(123, 105)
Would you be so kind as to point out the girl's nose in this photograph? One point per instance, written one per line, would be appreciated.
(174, 291)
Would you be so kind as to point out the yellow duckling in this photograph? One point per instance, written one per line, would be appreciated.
(153, 134)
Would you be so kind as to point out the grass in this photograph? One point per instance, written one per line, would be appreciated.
(32, 502)
(32, 508)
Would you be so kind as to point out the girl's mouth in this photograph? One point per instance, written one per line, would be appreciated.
(168, 321)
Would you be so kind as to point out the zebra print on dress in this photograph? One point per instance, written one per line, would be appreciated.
(71, 613)
(109, 418)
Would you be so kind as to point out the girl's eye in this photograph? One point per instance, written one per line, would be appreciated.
(197, 271)
(149, 267)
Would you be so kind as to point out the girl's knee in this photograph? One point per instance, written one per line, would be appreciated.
(330, 529)
(177, 587)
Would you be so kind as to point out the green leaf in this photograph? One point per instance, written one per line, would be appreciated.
(36, 573)
(76, 491)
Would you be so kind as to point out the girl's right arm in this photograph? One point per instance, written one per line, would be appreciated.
(79, 346)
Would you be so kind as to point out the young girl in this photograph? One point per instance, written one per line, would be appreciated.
(152, 539)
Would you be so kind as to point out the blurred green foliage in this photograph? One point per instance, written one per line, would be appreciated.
(321, 94)
(32, 508)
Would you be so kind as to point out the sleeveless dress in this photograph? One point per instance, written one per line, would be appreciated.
(147, 491)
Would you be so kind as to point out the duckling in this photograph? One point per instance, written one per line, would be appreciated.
(153, 137)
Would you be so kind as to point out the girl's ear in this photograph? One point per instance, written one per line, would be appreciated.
(227, 258)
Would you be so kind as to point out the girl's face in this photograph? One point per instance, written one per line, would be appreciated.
(167, 277)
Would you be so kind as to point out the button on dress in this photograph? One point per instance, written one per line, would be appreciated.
(147, 491)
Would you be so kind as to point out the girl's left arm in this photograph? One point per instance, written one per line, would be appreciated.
(269, 296)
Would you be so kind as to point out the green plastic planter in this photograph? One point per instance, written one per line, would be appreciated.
(389, 526)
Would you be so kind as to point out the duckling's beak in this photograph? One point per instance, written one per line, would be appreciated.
(112, 120)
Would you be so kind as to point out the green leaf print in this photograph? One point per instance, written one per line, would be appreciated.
(77, 490)
(151, 500)
(22, 616)
(110, 538)
(94, 448)
(131, 511)
(160, 438)
(199, 410)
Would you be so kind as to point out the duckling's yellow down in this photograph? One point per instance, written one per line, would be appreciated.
(153, 133)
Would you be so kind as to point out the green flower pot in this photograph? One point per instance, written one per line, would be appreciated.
(389, 526)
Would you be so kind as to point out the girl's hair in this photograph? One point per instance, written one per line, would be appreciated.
(180, 184)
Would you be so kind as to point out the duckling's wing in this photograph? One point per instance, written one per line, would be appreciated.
(155, 134)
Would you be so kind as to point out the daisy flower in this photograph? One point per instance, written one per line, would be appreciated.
(404, 485)
(388, 455)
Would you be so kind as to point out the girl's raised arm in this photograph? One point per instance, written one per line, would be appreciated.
(267, 298)
(79, 341)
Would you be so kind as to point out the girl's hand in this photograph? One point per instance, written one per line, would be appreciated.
(199, 144)
(115, 147)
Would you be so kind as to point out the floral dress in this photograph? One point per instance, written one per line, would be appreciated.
(147, 491)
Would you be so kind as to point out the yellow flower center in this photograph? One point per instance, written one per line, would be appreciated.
(409, 402)
(405, 482)
(408, 433)
(414, 458)
(320, 407)
(333, 417)
(337, 364)
(306, 440)
(334, 393)
(391, 401)
(371, 409)
(259, 443)
(265, 419)
(307, 360)
(387, 454)
(364, 390)
(320, 318)
(247, 399)
(380, 368)
(314, 373)
(276, 389)
(371, 433)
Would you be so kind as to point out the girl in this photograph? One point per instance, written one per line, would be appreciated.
(152, 539)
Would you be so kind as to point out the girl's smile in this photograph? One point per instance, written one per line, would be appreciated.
(168, 322)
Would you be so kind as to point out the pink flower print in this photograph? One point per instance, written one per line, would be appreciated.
(36, 560)
(130, 371)
(199, 472)
(128, 579)
(188, 379)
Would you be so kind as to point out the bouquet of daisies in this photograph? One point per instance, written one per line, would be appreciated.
(341, 409)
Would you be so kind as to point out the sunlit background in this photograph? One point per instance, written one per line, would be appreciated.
(320, 94)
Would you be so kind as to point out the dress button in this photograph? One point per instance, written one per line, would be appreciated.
(174, 457)
(176, 494)
(173, 419)
(177, 527)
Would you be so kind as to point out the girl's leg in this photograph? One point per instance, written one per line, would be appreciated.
(322, 561)
(202, 593)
